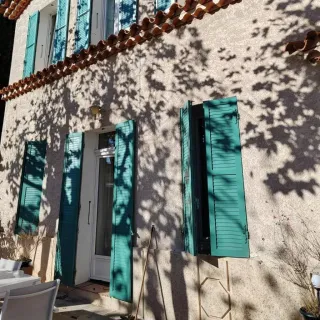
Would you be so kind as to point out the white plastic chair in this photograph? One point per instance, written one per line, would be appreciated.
(9, 265)
(30, 303)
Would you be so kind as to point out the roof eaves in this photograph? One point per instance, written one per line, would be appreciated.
(12, 9)
(161, 23)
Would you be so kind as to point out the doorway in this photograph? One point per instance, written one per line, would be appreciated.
(102, 226)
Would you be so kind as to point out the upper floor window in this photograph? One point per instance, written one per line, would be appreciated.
(45, 43)
(213, 191)
(47, 37)
(97, 19)
(102, 20)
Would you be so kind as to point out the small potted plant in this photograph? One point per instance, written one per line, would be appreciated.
(28, 244)
(310, 310)
(26, 265)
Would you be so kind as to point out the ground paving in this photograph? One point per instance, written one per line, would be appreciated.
(77, 309)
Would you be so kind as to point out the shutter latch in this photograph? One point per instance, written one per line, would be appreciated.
(245, 230)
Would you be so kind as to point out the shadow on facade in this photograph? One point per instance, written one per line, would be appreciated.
(279, 95)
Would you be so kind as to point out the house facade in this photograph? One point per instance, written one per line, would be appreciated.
(187, 116)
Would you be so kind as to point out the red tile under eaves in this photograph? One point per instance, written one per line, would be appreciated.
(307, 45)
(161, 23)
(12, 9)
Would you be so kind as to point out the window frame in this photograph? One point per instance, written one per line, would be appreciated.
(45, 37)
(99, 22)
(227, 214)
(199, 181)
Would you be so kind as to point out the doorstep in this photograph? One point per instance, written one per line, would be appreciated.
(78, 309)
(95, 294)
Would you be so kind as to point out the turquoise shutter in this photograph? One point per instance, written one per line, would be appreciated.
(69, 209)
(227, 210)
(187, 180)
(83, 28)
(61, 31)
(31, 187)
(162, 5)
(31, 45)
(121, 253)
(128, 13)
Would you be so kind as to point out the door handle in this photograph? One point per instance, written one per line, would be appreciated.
(89, 212)
(97, 21)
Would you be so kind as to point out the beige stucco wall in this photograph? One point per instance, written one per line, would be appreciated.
(237, 51)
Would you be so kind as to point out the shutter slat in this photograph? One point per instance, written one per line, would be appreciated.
(162, 4)
(228, 221)
(128, 13)
(122, 215)
(31, 187)
(83, 27)
(69, 209)
(187, 180)
(31, 44)
(61, 31)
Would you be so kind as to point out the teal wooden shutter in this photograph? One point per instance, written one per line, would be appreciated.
(83, 28)
(162, 5)
(128, 13)
(121, 253)
(61, 31)
(69, 209)
(227, 210)
(31, 187)
(187, 180)
(31, 45)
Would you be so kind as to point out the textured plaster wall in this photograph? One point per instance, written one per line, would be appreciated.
(237, 51)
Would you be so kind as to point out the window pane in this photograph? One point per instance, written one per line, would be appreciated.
(110, 17)
(51, 35)
(107, 140)
(104, 209)
(200, 180)
(203, 186)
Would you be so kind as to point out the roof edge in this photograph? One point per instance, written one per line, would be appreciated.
(163, 22)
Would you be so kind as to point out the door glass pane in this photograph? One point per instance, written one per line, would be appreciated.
(104, 212)
(107, 140)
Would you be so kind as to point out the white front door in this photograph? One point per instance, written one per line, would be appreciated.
(101, 251)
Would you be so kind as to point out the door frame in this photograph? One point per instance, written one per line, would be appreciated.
(100, 154)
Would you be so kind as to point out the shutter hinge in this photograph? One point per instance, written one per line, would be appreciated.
(248, 235)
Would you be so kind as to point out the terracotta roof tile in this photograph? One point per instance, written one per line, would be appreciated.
(167, 27)
(149, 28)
(314, 56)
(309, 43)
(12, 9)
